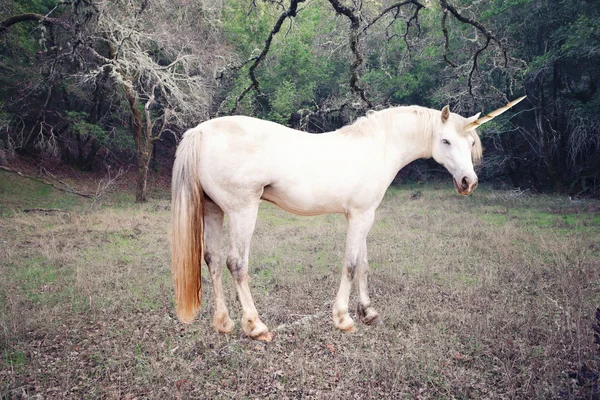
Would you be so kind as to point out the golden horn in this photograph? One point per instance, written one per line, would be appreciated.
(492, 115)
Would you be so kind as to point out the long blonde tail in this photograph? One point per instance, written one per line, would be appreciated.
(187, 240)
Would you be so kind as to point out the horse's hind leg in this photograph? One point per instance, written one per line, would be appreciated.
(213, 229)
(241, 228)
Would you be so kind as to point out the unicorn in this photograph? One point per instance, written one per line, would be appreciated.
(228, 165)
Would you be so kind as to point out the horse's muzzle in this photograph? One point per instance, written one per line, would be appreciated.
(466, 186)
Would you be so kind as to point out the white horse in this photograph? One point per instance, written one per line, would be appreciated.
(227, 165)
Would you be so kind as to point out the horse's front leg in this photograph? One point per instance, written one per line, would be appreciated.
(355, 264)
(241, 228)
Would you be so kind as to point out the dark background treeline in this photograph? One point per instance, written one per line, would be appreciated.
(97, 83)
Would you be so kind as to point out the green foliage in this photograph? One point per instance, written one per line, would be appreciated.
(580, 37)
(247, 30)
(296, 73)
(34, 276)
(15, 359)
(5, 118)
(576, 39)
(499, 8)
(20, 43)
(119, 137)
(85, 129)
(282, 104)
(552, 46)
(403, 88)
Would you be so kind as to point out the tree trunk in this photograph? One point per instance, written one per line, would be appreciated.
(143, 146)
(91, 156)
(142, 178)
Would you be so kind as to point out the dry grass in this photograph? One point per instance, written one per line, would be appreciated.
(490, 296)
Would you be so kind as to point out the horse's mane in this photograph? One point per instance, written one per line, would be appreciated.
(428, 120)
(363, 125)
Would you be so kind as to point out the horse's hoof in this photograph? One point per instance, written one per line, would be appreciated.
(256, 329)
(344, 323)
(264, 337)
(368, 315)
(225, 327)
(373, 320)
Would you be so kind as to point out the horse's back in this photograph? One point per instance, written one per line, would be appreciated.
(302, 172)
(250, 143)
(240, 127)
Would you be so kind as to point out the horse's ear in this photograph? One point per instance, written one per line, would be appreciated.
(470, 120)
(445, 114)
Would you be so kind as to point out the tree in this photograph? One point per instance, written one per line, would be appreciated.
(160, 56)
(78, 77)
(555, 144)
(363, 21)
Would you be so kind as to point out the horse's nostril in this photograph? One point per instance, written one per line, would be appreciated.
(464, 183)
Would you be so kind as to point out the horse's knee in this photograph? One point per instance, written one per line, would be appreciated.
(351, 269)
(213, 262)
(355, 264)
(210, 258)
(237, 267)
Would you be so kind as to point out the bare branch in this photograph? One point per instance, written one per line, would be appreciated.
(15, 19)
(474, 68)
(446, 6)
(149, 123)
(45, 19)
(100, 57)
(488, 35)
(393, 7)
(356, 32)
(354, 39)
(446, 39)
(165, 120)
(415, 17)
(232, 68)
(290, 12)
(68, 189)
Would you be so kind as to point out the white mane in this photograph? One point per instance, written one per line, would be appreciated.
(429, 119)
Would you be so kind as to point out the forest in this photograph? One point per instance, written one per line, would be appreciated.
(98, 84)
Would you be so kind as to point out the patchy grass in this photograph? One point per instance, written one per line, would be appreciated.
(18, 193)
(487, 296)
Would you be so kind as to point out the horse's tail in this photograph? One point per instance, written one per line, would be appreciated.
(187, 240)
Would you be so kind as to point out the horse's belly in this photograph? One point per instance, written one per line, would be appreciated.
(303, 202)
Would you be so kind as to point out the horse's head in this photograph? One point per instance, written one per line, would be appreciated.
(456, 145)
(457, 148)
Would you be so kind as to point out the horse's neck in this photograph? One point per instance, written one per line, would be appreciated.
(408, 139)
(396, 136)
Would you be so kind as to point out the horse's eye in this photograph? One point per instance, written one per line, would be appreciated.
(473, 144)
(446, 142)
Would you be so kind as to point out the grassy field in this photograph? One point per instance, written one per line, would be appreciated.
(491, 296)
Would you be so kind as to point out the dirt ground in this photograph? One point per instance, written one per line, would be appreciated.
(490, 296)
